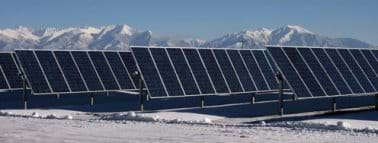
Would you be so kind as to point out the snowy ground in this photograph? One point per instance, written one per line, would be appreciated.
(58, 125)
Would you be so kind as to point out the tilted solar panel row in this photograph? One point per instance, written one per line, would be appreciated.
(55, 72)
(9, 73)
(176, 72)
(316, 72)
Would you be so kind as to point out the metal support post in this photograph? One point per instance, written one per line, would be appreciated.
(24, 93)
(376, 101)
(92, 99)
(253, 98)
(334, 105)
(280, 93)
(202, 102)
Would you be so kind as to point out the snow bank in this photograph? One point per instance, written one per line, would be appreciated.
(165, 117)
(45, 114)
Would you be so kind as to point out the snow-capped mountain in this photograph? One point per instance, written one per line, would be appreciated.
(121, 36)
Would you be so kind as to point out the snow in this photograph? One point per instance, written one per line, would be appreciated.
(64, 125)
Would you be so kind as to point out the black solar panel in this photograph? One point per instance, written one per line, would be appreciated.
(33, 72)
(183, 71)
(3, 81)
(241, 70)
(265, 68)
(52, 71)
(119, 70)
(10, 70)
(70, 71)
(337, 71)
(149, 72)
(254, 70)
(131, 66)
(214, 71)
(199, 71)
(166, 72)
(228, 70)
(88, 71)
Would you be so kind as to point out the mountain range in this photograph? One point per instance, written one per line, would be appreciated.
(120, 37)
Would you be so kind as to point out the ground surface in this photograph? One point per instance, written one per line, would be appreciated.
(38, 125)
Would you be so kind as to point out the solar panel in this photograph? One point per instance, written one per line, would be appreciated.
(129, 61)
(149, 72)
(10, 71)
(199, 71)
(119, 70)
(103, 70)
(70, 71)
(214, 71)
(182, 72)
(327, 71)
(88, 71)
(3, 81)
(228, 70)
(52, 71)
(33, 72)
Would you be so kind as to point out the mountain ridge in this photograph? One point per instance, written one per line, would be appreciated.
(119, 37)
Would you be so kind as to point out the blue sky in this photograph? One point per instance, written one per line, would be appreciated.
(206, 19)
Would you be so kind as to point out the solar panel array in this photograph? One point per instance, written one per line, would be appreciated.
(318, 72)
(56, 72)
(176, 72)
(9, 73)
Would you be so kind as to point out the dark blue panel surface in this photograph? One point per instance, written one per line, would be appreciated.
(304, 71)
(214, 71)
(89, 74)
(69, 69)
(150, 74)
(366, 67)
(51, 69)
(356, 70)
(254, 70)
(167, 72)
(318, 71)
(33, 72)
(332, 71)
(199, 71)
(119, 70)
(241, 70)
(3, 82)
(265, 68)
(128, 60)
(183, 71)
(289, 72)
(344, 70)
(10, 69)
(103, 70)
(371, 59)
(228, 70)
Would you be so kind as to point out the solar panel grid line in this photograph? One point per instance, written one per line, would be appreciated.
(129, 61)
(253, 70)
(10, 71)
(266, 70)
(296, 71)
(260, 70)
(350, 71)
(161, 79)
(43, 72)
(23, 74)
(111, 70)
(174, 70)
(364, 70)
(374, 53)
(325, 71)
(5, 79)
(241, 68)
(80, 73)
(61, 71)
(128, 72)
(208, 79)
(233, 67)
(217, 68)
(369, 70)
(95, 70)
(191, 71)
(223, 71)
(307, 66)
